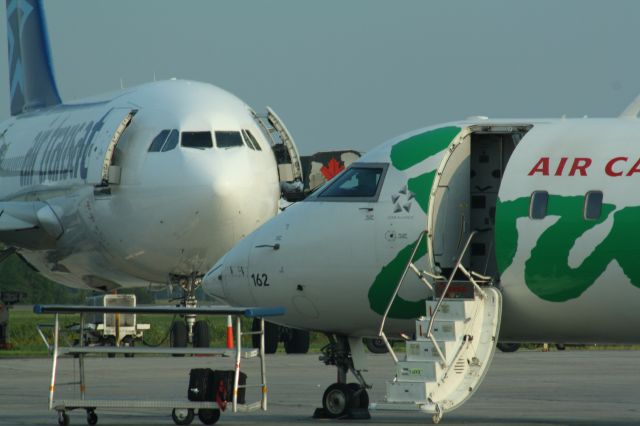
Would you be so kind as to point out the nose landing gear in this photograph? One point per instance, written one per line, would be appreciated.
(344, 400)
(189, 330)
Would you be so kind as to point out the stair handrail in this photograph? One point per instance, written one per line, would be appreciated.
(446, 288)
(458, 266)
(395, 294)
(397, 289)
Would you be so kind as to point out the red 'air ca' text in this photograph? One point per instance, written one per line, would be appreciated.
(579, 166)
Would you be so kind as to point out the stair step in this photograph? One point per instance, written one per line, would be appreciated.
(452, 309)
(418, 371)
(424, 350)
(407, 392)
(445, 331)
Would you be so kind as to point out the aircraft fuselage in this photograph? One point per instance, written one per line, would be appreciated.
(553, 203)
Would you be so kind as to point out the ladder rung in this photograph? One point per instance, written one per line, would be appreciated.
(250, 333)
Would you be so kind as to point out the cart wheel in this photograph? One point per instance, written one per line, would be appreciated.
(209, 417)
(92, 418)
(182, 416)
(110, 341)
(63, 418)
(129, 343)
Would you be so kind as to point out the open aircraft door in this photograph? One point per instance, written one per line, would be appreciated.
(103, 139)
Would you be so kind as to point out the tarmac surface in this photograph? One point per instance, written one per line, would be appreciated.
(521, 388)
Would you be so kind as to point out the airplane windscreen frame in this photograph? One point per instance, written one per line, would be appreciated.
(346, 175)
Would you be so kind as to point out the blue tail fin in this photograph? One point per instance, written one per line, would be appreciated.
(30, 70)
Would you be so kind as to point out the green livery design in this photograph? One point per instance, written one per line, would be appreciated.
(404, 155)
(547, 271)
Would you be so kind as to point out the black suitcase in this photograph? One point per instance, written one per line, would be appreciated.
(223, 380)
(201, 385)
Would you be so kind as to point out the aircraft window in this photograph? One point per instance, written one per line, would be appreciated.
(197, 140)
(253, 140)
(228, 139)
(172, 141)
(247, 140)
(538, 206)
(158, 141)
(357, 183)
(593, 205)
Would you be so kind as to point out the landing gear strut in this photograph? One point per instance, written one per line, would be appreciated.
(341, 399)
(189, 330)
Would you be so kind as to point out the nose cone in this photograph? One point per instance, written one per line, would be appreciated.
(219, 198)
(228, 280)
(212, 282)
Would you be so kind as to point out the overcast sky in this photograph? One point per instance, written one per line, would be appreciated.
(352, 74)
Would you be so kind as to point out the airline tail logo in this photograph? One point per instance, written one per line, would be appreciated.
(32, 84)
(17, 14)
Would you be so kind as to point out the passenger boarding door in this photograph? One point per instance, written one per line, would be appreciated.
(449, 226)
(101, 145)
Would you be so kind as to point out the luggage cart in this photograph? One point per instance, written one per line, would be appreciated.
(183, 410)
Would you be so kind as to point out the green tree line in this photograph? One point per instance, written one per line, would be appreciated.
(17, 275)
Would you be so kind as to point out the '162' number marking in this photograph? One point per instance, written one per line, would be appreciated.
(260, 280)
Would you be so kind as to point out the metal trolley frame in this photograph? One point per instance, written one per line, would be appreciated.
(90, 405)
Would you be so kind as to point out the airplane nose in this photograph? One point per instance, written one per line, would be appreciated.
(228, 280)
(213, 281)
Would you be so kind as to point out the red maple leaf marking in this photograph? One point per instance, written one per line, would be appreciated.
(331, 169)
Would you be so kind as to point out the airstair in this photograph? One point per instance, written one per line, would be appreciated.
(453, 345)
(286, 153)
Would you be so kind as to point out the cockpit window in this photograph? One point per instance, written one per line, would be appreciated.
(158, 141)
(171, 142)
(247, 141)
(251, 141)
(226, 139)
(361, 182)
(197, 140)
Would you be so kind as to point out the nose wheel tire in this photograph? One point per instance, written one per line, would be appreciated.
(201, 335)
(182, 416)
(178, 337)
(337, 400)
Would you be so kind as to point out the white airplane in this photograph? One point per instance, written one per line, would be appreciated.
(147, 185)
(524, 228)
